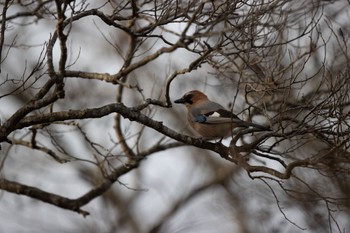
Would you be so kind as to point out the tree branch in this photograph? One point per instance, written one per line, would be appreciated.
(63, 202)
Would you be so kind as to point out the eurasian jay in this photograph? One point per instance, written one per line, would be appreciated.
(210, 119)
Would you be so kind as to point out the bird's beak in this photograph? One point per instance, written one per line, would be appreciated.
(180, 101)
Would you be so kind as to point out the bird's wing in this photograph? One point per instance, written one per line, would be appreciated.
(221, 113)
(213, 113)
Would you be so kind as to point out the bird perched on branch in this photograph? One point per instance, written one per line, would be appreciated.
(211, 120)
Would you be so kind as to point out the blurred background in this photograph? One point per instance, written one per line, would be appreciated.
(282, 63)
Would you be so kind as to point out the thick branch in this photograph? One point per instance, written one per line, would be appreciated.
(63, 202)
(128, 113)
(63, 48)
(39, 194)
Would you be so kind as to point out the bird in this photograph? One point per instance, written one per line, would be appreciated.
(210, 119)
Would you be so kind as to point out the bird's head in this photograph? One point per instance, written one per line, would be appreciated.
(191, 97)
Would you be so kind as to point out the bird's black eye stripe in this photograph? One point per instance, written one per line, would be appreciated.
(188, 98)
